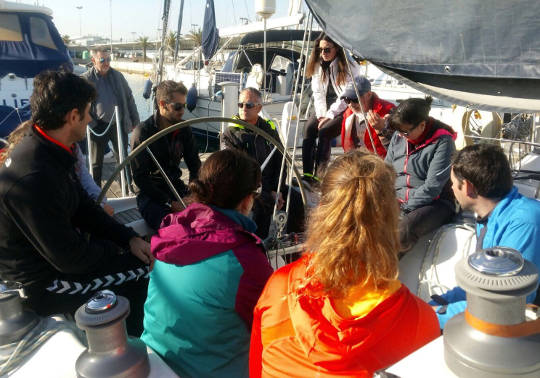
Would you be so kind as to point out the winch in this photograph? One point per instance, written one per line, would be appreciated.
(110, 352)
(492, 338)
(15, 322)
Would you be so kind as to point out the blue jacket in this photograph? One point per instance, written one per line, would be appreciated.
(209, 272)
(513, 223)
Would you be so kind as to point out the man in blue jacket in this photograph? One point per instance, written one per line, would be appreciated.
(482, 182)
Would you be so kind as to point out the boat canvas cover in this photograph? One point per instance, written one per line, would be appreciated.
(277, 36)
(26, 58)
(210, 34)
(490, 48)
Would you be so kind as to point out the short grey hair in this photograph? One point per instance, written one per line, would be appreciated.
(254, 92)
(101, 49)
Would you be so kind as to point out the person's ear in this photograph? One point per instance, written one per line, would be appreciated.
(73, 116)
(470, 190)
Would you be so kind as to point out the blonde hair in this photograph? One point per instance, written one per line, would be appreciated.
(14, 138)
(353, 233)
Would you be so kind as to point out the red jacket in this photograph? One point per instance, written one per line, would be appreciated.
(298, 334)
(382, 108)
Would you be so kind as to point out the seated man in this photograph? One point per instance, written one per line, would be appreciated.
(45, 213)
(256, 146)
(482, 182)
(354, 132)
(156, 199)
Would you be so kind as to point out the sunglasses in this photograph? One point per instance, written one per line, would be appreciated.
(103, 60)
(350, 100)
(257, 192)
(326, 50)
(248, 105)
(177, 106)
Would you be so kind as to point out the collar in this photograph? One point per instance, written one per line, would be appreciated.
(246, 223)
(52, 140)
(424, 135)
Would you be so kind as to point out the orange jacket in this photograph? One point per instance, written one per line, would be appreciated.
(297, 334)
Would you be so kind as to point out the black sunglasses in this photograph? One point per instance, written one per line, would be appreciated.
(102, 60)
(325, 50)
(248, 105)
(177, 105)
(349, 100)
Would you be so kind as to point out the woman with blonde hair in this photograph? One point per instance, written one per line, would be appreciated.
(340, 309)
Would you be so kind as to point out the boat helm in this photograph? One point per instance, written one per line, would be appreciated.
(15, 322)
(492, 338)
(110, 352)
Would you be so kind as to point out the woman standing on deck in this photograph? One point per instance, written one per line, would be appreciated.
(329, 74)
(209, 271)
(340, 309)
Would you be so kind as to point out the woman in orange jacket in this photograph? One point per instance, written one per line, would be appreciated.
(340, 310)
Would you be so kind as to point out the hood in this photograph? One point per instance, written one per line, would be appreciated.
(197, 233)
(332, 341)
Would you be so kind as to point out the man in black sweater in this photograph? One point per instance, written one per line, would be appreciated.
(155, 198)
(256, 146)
(45, 213)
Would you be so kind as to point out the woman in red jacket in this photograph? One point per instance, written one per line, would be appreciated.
(340, 309)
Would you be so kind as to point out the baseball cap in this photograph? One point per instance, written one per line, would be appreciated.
(362, 84)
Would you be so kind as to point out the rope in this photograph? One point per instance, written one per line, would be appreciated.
(13, 355)
(13, 111)
(96, 134)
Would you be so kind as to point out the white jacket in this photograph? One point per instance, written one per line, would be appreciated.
(320, 86)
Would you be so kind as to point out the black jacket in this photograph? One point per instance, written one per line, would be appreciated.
(43, 214)
(168, 151)
(257, 147)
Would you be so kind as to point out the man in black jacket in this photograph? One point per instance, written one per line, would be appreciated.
(156, 199)
(45, 213)
(256, 146)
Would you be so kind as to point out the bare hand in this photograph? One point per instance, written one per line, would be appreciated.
(281, 202)
(322, 121)
(375, 120)
(141, 249)
(176, 206)
(108, 209)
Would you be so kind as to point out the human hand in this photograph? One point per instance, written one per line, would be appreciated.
(322, 121)
(108, 209)
(375, 120)
(176, 206)
(281, 202)
(141, 249)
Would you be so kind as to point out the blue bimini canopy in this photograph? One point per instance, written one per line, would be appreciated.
(29, 44)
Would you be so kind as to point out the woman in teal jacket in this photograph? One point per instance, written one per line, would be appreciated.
(209, 272)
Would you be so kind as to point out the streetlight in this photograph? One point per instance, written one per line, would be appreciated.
(79, 7)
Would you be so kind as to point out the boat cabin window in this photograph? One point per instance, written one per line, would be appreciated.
(39, 31)
(10, 27)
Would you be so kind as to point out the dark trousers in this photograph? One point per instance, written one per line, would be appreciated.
(152, 211)
(124, 274)
(321, 155)
(423, 220)
(99, 145)
(264, 207)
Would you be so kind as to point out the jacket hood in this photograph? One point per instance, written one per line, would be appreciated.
(330, 340)
(197, 233)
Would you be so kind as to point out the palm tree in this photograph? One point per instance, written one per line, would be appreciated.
(171, 41)
(195, 36)
(143, 41)
(66, 39)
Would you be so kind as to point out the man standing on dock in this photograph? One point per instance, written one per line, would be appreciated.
(112, 90)
(156, 198)
(54, 239)
(482, 182)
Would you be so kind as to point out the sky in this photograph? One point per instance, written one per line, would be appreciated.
(134, 18)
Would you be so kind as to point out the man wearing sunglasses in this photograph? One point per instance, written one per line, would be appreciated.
(155, 198)
(354, 131)
(256, 146)
(113, 90)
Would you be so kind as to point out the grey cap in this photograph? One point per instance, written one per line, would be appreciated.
(362, 84)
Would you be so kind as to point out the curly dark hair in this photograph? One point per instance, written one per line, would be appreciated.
(55, 94)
